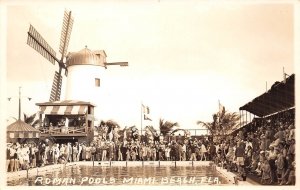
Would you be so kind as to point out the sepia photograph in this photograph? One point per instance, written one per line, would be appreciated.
(158, 93)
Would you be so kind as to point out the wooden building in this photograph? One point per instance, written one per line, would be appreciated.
(67, 121)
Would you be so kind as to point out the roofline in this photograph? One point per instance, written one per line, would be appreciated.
(65, 104)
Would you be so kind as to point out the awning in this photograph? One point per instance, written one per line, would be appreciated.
(20, 129)
(63, 110)
(280, 97)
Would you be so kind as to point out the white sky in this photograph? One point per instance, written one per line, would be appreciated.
(183, 57)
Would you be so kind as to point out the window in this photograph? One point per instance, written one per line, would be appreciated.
(97, 82)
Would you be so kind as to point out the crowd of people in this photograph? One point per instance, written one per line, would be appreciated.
(265, 149)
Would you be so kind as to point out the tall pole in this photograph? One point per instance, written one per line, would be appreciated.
(141, 118)
(19, 102)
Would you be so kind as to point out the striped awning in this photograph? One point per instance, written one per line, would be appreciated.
(20, 129)
(21, 126)
(19, 134)
(64, 110)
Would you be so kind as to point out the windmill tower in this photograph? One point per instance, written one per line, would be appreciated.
(85, 69)
(82, 68)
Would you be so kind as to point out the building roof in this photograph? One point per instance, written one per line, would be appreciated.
(86, 57)
(280, 97)
(65, 103)
(21, 126)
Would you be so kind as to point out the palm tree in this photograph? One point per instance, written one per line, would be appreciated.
(150, 133)
(228, 121)
(166, 127)
(210, 126)
(129, 133)
(222, 122)
(30, 119)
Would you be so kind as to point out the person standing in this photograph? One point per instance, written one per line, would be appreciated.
(239, 154)
(14, 163)
(120, 154)
(68, 152)
(19, 160)
(8, 156)
(272, 157)
(25, 155)
(47, 154)
(110, 150)
(75, 152)
(83, 155)
(33, 152)
(93, 152)
(42, 156)
(88, 153)
(180, 151)
(98, 152)
(203, 152)
(193, 151)
(55, 152)
(212, 151)
(167, 153)
(104, 151)
(280, 165)
(79, 152)
(183, 152)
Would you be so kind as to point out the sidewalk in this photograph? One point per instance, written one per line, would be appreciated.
(33, 171)
(231, 178)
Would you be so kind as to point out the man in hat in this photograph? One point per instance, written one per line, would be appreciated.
(272, 157)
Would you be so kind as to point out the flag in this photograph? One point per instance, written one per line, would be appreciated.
(221, 108)
(146, 112)
(284, 78)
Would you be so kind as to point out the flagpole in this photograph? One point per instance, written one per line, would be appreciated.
(219, 114)
(19, 102)
(219, 106)
(141, 118)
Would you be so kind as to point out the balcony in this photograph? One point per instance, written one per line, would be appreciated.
(64, 131)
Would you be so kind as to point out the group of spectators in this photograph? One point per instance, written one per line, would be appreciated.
(24, 156)
(265, 149)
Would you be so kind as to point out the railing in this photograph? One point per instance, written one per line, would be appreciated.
(63, 130)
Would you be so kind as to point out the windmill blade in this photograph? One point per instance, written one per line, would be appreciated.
(37, 42)
(122, 64)
(65, 33)
(56, 87)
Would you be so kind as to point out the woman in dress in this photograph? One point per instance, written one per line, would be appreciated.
(203, 152)
(266, 172)
(83, 156)
(88, 153)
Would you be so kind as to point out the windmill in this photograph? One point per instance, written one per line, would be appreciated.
(37, 42)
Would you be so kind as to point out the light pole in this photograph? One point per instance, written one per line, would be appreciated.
(19, 118)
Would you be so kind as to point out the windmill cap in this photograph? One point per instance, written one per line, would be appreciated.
(86, 57)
